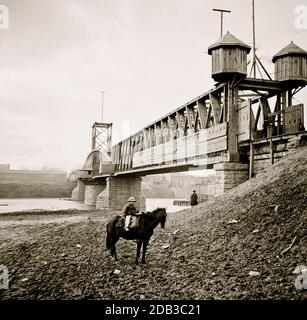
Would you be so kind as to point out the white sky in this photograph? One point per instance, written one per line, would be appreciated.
(149, 56)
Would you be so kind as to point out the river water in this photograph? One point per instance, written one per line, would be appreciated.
(13, 205)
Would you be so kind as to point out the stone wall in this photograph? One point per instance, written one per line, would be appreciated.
(262, 153)
(263, 162)
(91, 193)
(78, 193)
(103, 199)
(229, 175)
(117, 192)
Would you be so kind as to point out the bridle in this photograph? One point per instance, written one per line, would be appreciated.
(144, 215)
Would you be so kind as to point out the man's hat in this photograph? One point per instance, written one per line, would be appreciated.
(131, 199)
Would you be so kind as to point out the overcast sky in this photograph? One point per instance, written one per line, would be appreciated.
(149, 56)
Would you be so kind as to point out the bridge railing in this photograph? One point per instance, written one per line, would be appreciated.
(186, 149)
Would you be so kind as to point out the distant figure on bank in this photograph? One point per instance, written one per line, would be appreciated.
(129, 210)
(194, 198)
(301, 126)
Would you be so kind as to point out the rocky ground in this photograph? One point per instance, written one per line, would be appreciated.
(207, 252)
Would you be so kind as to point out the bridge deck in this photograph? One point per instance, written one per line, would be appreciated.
(214, 127)
(151, 170)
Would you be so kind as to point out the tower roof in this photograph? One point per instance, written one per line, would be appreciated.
(290, 49)
(229, 40)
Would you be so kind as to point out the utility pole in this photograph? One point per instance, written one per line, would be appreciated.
(256, 63)
(254, 40)
(222, 11)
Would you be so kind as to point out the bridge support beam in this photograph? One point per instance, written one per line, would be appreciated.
(91, 193)
(79, 192)
(232, 114)
(117, 192)
(229, 175)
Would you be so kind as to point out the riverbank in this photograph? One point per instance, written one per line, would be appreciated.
(55, 204)
(36, 190)
(38, 205)
(246, 244)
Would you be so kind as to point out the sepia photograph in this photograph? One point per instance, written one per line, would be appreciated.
(153, 153)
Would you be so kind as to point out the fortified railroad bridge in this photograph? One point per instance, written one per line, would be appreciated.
(237, 128)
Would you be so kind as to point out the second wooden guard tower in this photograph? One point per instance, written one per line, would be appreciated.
(291, 65)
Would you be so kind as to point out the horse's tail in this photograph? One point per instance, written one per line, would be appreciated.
(108, 240)
(110, 231)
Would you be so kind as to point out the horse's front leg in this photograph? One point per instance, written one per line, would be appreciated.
(114, 253)
(113, 249)
(138, 251)
(145, 243)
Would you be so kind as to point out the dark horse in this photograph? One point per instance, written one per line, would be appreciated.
(146, 225)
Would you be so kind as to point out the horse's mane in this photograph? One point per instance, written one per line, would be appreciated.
(158, 209)
(153, 213)
(151, 216)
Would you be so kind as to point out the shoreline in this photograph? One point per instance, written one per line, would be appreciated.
(40, 212)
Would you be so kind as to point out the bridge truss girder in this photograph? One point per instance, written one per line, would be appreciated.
(209, 114)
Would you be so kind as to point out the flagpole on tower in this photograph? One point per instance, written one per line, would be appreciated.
(222, 11)
(254, 40)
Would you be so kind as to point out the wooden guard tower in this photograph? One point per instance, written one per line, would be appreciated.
(246, 101)
(229, 58)
(291, 65)
(291, 73)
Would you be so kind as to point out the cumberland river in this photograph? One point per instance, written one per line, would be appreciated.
(13, 205)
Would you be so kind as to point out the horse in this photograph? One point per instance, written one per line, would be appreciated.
(147, 223)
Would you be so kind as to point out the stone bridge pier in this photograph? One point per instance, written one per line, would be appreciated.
(91, 193)
(87, 191)
(79, 192)
(118, 190)
(112, 192)
(229, 175)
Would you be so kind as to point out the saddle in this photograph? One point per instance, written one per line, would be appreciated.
(134, 222)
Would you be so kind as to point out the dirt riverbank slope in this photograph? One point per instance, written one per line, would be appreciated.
(206, 252)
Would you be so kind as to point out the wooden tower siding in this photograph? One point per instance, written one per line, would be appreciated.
(229, 58)
(291, 68)
(291, 64)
